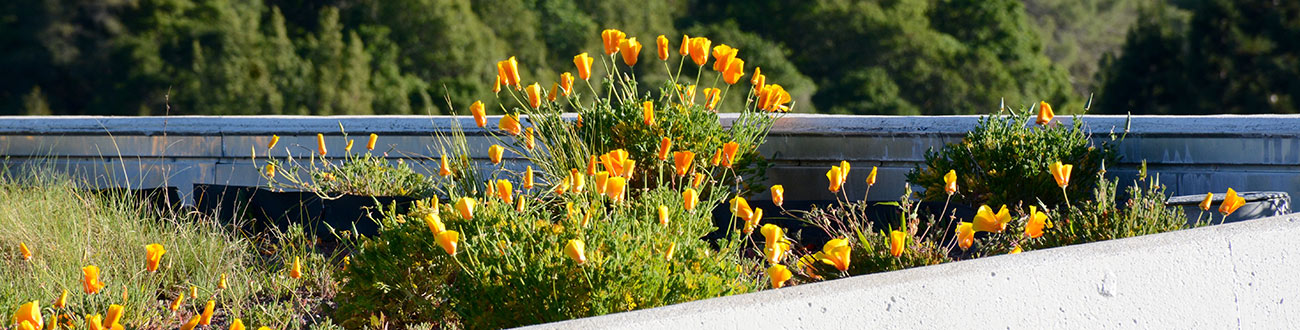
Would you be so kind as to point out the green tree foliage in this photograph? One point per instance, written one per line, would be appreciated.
(1078, 33)
(1230, 57)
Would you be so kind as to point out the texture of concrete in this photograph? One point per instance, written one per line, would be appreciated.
(1241, 275)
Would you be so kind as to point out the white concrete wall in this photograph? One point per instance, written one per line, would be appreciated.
(1193, 154)
(1235, 276)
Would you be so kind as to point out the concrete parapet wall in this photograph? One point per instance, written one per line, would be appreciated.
(1193, 154)
(1240, 275)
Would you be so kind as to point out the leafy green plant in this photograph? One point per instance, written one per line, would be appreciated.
(361, 173)
(1004, 161)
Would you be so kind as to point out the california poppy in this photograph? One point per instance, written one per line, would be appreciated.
(648, 113)
(1231, 202)
(665, 145)
(194, 322)
(465, 206)
(1205, 204)
(689, 199)
(576, 250)
(583, 62)
(63, 300)
(529, 141)
(699, 49)
(90, 281)
(740, 208)
(723, 55)
(152, 255)
(207, 313)
(495, 152)
(684, 49)
(734, 71)
(950, 182)
(534, 92)
(480, 118)
(370, 144)
(778, 195)
(1045, 114)
(510, 124)
(320, 144)
(965, 235)
(611, 39)
(663, 214)
(444, 168)
(897, 240)
(1035, 223)
(447, 240)
(986, 220)
(836, 253)
(1061, 173)
(566, 83)
(779, 274)
(871, 178)
(505, 190)
(30, 313)
(614, 188)
(835, 178)
(729, 153)
(662, 43)
(26, 253)
(682, 162)
(296, 271)
(630, 49)
(711, 97)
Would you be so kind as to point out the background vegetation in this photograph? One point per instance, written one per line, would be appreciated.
(127, 57)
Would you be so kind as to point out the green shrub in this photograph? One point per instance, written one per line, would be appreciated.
(1004, 161)
(362, 174)
(1140, 211)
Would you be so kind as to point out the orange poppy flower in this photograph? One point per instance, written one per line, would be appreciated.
(682, 161)
(480, 118)
(1045, 114)
(965, 235)
(662, 43)
(648, 113)
(711, 98)
(447, 240)
(950, 182)
(778, 195)
(836, 252)
(1035, 223)
(723, 55)
(689, 199)
(566, 83)
(897, 240)
(534, 92)
(320, 144)
(735, 70)
(729, 153)
(370, 144)
(1231, 202)
(576, 250)
(1205, 204)
(495, 152)
(986, 220)
(699, 50)
(465, 206)
(665, 145)
(90, 282)
(510, 124)
(779, 274)
(152, 255)
(685, 47)
(445, 168)
(663, 214)
(1061, 173)
(611, 39)
(630, 49)
(583, 62)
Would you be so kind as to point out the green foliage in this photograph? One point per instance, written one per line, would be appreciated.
(1078, 33)
(1140, 211)
(1229, 57)
(1004, 161)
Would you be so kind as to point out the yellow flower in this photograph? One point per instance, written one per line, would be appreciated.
(30, 313)
(735, 70)
(528, 178)
(591, 165)
(434, 222)
(583, 62)
(194, 322)
(27, 254)
(113, 318)
(684, 49)
(772, 234)
(1034, 225)
(752, 221)
(778, 195)
(1231, 202)
(723, 55)
(758, 80)
(663, 214)
(897, 241)
(662, 43)
(320, 144)
(772, 97)
(729, 153)
(576, 251)
(950, 182)
(672, 247)
(779, 274)
(1061, 173)
(699, 50)
(648, 113)
(465, 205)
(986, 220)
(63, 300)
(370, 144)
(505, 190)
(1016, 250)
(611, 39)
(447, 240)
(566, 83)
(614, 188)
(711, 98)
(152, 255)
(176, 304)
(1205, 204)
(1044, 113)
(480, 117)
(965, 235)
(270, 171)
(534, 92)
(836, 253)
(444, 167)
(665, 145)
(689, 199)
(90, 282)
(237, 325)
(835, 177)
(529, 141)
(555, 91)
(682, 162)
(496, 88)
(510, 124)
(600, 179)
(773, 253)
(631, 50)
(508, 71)
(697, 180)
(194, 292)
(296, 271)
(206, 318)
(495, 152)
(740, 208)
(221, 283)
(871, 178)
(717, 157)
(577, 181)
